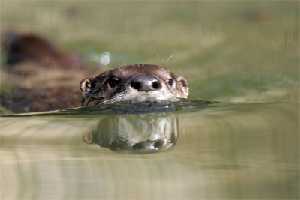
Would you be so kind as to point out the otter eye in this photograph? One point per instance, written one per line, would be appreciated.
(113, 82)
(171, 82)
(93, 84)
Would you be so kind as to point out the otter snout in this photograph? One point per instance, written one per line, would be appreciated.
(145, 83)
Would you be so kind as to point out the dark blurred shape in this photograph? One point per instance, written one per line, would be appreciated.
(45, 99)
(40, 76)
(23, 47)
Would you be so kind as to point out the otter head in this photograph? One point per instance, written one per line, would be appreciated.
(134, 83)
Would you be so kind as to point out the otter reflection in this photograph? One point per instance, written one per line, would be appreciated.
(145, 133)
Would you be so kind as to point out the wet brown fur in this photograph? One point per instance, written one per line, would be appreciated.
(43, 76)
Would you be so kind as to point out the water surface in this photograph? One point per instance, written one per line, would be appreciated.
(224, 151)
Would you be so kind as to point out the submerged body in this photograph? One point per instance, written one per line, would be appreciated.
(39, 75)
(134, 83)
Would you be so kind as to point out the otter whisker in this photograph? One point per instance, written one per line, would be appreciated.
(115, 98)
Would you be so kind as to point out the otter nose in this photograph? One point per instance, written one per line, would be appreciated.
(145, 83)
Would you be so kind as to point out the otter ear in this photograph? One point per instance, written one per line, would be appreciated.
(182, 87)
(85, 85)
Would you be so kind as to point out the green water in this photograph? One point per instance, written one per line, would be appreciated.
(229, 51)
(227, 151)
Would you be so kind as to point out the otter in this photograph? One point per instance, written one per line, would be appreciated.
(39, 72)
(134, 83)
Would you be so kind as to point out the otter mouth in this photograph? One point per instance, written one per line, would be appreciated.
(128, 96)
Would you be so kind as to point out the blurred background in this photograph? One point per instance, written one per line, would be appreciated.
(228, 50)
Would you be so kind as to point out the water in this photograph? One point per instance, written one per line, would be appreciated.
(227, 151)
(229, 51)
